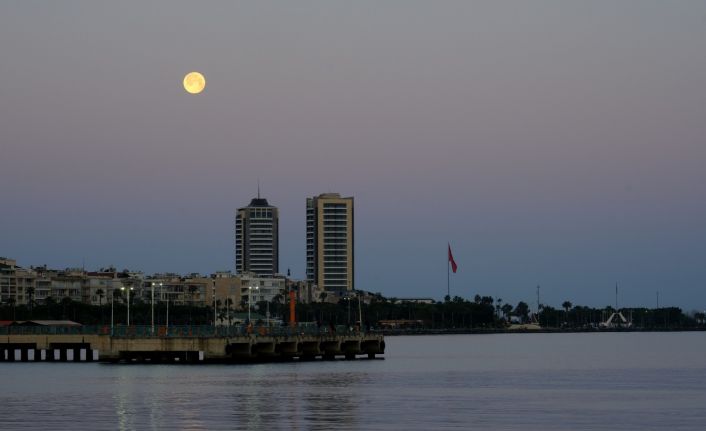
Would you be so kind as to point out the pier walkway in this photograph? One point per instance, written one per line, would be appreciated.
(184, 344)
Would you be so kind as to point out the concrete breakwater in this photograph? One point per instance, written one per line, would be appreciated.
(260, 346)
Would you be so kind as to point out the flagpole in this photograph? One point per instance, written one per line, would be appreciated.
(448, 277)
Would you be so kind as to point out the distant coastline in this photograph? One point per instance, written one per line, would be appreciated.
(466, 331)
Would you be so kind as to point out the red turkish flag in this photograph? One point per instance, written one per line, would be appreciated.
(451, 259)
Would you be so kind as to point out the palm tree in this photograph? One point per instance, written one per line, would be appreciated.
(100, 294)
(567, 306)
(30, 293)
(522, 310)
(192, 291)
(12, 302)
(65, 302)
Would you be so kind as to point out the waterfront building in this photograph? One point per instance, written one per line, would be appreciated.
(194, 290)
(68, 284)
(257, 239)
(42, 289)
(20, 286)
(16, 283)
(98, 285)
(306, 291)
(227, 291)
(261, 288)
(416, 300)
(329, 242)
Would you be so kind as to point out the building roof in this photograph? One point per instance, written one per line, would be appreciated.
(259, 203)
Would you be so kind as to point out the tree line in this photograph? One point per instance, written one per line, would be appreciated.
(452, 313)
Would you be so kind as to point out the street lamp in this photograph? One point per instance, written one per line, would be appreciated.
(167, 319)
(228, 301)
(214, 306)
(348, 300)
(112, 299)
(267, 313)
(128, 302)
(250, 300)
(160, 292)
(360, 314)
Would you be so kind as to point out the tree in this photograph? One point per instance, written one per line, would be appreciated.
(522, 310)
(487, 300)
(65, 302)
(30, 293)
(12, 301)
(117, 294)
(567, 306)
(700, 317)
(100, 294)
(223, 311)
(506, 309)
(192, 291)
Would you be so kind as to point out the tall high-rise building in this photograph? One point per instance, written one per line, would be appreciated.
(329, 242)
(257, 239)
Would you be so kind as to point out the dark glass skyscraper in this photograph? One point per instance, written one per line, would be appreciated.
(257, 239)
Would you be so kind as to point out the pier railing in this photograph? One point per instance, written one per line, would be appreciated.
(145, 331)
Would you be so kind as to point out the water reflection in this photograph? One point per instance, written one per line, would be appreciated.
(333, 399)
(261, 398)
(499, 382)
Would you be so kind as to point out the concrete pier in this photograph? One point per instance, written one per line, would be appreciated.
(189, 349)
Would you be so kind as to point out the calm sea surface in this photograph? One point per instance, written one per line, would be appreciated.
(630, 381)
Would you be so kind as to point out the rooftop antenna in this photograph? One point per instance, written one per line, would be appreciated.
(616, 296)
(258, 188)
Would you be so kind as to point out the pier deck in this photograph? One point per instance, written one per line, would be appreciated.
(184, 344)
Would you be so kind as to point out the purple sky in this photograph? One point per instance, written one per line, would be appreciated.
(559, 143)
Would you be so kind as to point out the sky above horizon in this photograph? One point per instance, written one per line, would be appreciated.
(552, 143)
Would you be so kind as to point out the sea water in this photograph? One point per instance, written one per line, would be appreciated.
(584, 381)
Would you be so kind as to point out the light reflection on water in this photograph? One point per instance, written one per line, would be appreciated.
(513, 382)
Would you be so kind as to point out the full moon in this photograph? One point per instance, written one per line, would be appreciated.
(194, 83)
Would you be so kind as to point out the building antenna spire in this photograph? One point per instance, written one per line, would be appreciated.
(258, 188)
